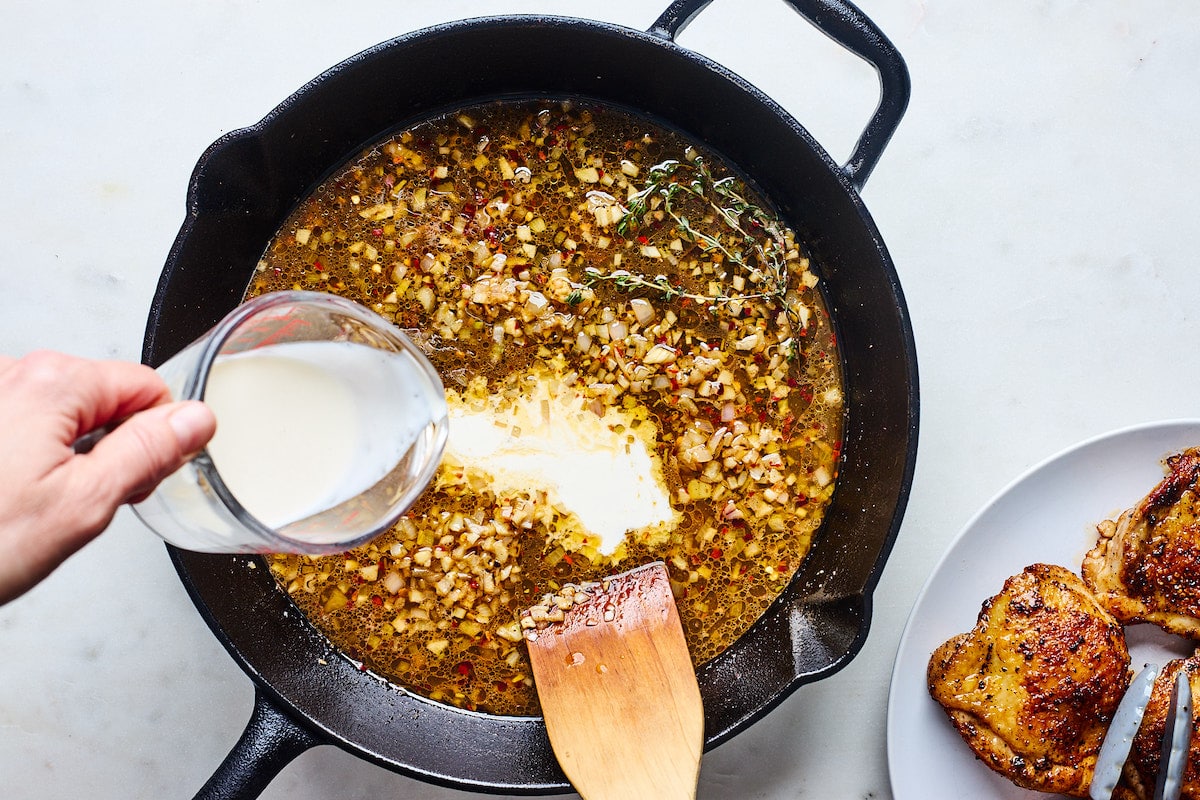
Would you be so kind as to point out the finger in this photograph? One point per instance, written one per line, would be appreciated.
(74, 395)
(112, 390)
(147, 447)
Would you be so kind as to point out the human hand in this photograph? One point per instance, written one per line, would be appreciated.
(53, 501)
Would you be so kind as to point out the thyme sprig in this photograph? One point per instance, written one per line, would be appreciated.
(677, 181)
(623, 279)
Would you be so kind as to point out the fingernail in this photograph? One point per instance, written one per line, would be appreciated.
(193, 424)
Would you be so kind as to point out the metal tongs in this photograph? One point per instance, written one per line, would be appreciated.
(1119, 739)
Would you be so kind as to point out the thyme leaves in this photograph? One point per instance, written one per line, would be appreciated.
(749, 238)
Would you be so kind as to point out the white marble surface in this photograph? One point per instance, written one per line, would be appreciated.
(1039, 202)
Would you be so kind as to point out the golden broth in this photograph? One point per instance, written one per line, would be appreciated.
(584, 256)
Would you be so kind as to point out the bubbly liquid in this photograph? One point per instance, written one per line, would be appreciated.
(305, 426)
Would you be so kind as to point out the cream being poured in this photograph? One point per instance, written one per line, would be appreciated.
(548, 441)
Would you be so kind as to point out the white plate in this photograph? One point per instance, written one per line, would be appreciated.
(1048, 515)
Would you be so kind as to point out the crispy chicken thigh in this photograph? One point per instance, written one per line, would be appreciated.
(1033, 687)
(1146, 565)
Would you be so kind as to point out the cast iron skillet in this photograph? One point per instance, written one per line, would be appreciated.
(248, 181)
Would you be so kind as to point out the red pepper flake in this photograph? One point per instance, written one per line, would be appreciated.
(318, 266)
(377, 232)
(376, 600)
(715, 553)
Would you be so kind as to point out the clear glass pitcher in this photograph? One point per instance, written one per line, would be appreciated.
(330, 423)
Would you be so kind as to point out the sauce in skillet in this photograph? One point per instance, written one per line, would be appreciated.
(587, 284)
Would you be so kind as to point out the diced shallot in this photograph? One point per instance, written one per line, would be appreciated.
(642, 310)
(392, 582)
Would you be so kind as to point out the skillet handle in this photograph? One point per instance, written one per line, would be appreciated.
(270, 742)
(843, 22)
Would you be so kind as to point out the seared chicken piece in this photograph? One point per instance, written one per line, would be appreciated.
(1146, 565)
(1033, 687)
(1141, 770)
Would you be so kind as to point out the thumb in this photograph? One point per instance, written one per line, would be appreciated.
(147, 447)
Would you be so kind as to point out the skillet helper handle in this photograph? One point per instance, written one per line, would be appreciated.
(270, 742)
(845, 24)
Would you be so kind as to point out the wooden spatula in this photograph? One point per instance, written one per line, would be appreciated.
(617, 687)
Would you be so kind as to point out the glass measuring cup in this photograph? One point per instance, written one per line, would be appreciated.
(330, 423)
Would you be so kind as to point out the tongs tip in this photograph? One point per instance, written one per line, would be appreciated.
(1176, 740)
(1114, 751)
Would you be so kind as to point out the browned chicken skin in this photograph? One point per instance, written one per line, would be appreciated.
(1033, 687)
(1141, 771)
(1146, 565)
